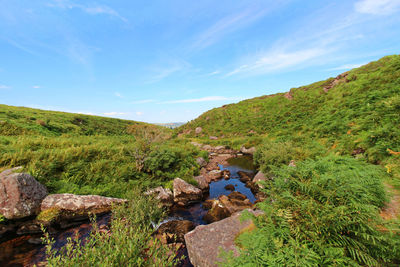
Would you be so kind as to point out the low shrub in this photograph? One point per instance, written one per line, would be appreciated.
(322, 212)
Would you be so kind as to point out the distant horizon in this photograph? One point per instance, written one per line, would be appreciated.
(172, 61)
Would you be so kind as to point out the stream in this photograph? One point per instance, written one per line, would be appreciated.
(21, 251)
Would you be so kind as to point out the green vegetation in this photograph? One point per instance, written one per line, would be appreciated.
(131, 242)
(322, 212)
(82, 154)
(357, 112)
(343, 135)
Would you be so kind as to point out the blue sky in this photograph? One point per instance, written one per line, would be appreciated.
(168, 61)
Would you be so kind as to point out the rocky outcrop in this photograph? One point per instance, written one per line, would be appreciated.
(205, 242)
(20, 194)
(185, 193)
(225, 206)
(214, 175)
(164, 195)
(62, 208)
(173, 231)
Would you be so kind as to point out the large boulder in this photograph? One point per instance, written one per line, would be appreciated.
(185, 193)
(205, 242)
(164, 195)
(20, 194)
(64, 207)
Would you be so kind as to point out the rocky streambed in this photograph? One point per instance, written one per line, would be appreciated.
(226, 186)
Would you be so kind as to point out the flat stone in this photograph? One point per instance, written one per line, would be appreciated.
(205, 241)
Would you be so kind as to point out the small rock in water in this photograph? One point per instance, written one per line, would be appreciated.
(230, 187)
(35, 241)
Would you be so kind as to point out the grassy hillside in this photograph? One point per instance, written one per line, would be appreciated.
(85, 154)
(354, 113)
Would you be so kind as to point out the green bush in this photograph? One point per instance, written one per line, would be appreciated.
(166, 162)
(322, 212)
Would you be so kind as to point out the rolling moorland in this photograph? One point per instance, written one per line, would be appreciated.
(342, 133)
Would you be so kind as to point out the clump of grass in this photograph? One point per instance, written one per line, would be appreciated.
(130, 242)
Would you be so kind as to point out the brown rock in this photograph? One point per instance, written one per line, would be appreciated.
(213, 138)
(245, 176)
(215, 175)
(20, 194)
(226, 174)
(198, 130)
(205, 242)
(202, 181)
(174, 231)
(164, 195)
(230, 187)
(208, 204)
(216, 213)
(202, 162)
(185, 193)
(237, 195)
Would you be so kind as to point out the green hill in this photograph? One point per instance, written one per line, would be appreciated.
(27, 121)
(357, 110)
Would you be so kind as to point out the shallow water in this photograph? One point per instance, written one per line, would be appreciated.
(196, 212)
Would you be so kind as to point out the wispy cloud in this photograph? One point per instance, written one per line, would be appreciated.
(276, 60)
(117, 94)
(36, 86)
(229, 24)
(347, 66)
(114, 113)
(377, 7)
(167, 68)
(139, 113)
(144, 101)
(204, 99)
(89, 9)
(4, 87)
(214, 73)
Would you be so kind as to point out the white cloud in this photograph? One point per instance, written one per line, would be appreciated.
(91, 10)
(36, 86)
(347, 66)
(139, 113)
(114, 113)
(144, 101)
(203, 99)
(2, 86)
(118, 95)
(275, 60)
(377, 7)
(167, 68)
